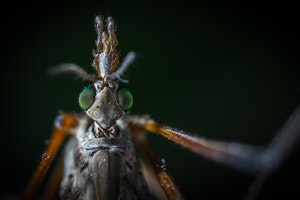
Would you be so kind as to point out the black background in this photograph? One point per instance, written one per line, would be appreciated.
(225, 71)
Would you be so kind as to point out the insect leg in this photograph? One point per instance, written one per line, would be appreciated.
(243, 157)
(51, 188)
(64, 125)
(165, 180)
(277, 151)
(234, 154)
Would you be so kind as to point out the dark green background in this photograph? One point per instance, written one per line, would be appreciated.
(225, 71)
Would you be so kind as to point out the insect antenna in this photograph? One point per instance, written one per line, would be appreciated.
(128, 60)
(74, 69)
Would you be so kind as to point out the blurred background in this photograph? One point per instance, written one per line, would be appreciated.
(226, 71)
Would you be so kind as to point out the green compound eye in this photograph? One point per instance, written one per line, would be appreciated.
(125, 98)
(87, 97)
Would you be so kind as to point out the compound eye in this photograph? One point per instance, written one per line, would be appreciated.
(125, 98)
(87, 97)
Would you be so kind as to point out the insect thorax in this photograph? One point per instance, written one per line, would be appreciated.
(102, 168)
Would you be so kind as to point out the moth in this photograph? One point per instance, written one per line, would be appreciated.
(100, 144)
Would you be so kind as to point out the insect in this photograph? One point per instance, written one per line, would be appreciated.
(99, 156)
